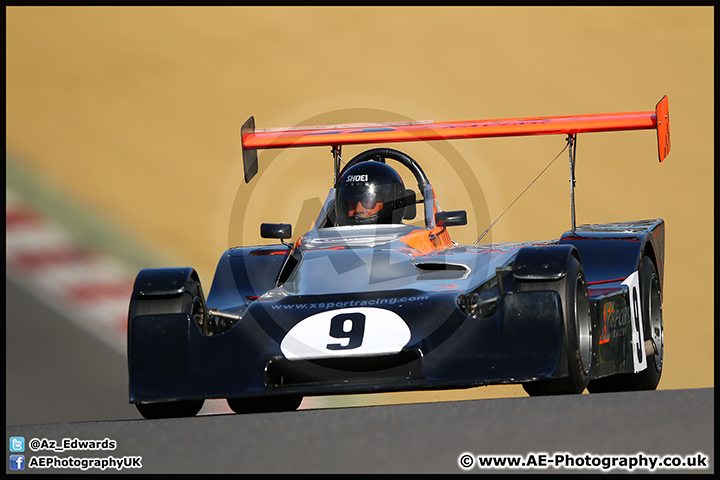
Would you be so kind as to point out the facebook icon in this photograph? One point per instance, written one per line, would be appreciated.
(17, 462)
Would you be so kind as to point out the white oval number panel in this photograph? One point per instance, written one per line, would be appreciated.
(346, 332)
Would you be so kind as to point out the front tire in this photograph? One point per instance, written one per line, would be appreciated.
(577, 334)
(191, 301)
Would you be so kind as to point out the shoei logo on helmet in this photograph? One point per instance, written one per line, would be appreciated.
(356, 178)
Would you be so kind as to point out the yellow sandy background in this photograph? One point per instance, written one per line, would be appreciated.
(135, 112)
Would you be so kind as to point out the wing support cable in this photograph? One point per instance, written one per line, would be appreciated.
(531, 184)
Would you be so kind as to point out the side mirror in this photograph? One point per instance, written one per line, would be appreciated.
(276, 230)
(410, 201)
(451, 219)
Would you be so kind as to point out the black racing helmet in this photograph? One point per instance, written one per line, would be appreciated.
(369, 193)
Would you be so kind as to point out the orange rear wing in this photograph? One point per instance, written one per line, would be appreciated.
(353, 134)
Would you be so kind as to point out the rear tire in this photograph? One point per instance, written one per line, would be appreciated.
(265, 404)
(577, 334)
(648, 379)
(187, 408)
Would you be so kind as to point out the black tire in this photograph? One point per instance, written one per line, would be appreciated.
(265, 404)
(577, 334)
(190, 301)
(187, 408)
(648, 379)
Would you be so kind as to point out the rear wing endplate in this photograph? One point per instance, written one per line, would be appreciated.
(353, 134)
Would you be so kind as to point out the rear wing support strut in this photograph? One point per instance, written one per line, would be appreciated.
(572, 146)
(336, 150)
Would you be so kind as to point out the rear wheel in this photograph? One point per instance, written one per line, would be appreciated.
(187, 408)
(648, 379)
(265, 404)
(577, 334)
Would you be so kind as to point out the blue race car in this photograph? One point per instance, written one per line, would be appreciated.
(365, 303)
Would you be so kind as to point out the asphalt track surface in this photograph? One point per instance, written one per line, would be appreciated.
(57, 371)
(73, 386)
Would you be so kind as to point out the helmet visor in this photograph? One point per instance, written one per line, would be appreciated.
(365, 202)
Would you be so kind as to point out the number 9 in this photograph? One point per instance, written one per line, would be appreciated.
(350, 326)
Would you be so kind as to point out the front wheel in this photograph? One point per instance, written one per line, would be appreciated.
(577, 334)
(192, 302)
